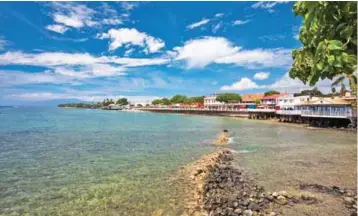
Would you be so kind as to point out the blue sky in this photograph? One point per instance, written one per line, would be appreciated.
(144, 50)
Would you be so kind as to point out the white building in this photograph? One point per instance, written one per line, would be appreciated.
(290, 102)
(210, 102)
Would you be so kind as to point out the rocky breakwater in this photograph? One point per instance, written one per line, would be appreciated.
(217, 188)
(230, 191)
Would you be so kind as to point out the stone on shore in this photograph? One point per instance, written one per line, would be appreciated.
(281, 200)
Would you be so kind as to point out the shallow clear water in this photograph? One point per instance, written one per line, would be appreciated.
(93, 162)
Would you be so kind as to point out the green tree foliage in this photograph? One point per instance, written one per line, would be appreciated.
(313, 92)
(163, 101)
(228, 97)
(178, 99)
(199, 99)
(166, 101)
(107, 102)
(257, 101)
(157, 101)
(82, 105)
(329, 38)
(122, 101)
(271, 92)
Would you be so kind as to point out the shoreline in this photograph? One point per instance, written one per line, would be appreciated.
(276, 121)
(214, 186)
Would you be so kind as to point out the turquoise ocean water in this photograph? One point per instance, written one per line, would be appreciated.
(56, 161)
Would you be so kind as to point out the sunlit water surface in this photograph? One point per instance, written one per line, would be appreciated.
(56, 161)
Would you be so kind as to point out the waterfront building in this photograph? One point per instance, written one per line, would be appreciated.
(191, 105)
(290, 102)
(269, 102)
(326, 108)
(250, 100)
(210, 102)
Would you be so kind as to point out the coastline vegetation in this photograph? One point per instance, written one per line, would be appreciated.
(98, 105)
(82, 105)
(179, 99)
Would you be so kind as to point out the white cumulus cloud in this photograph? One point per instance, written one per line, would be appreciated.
(284, 84)
(73, 14)
(243, 84)
(201, 52)
(261, 75)
(131, 36)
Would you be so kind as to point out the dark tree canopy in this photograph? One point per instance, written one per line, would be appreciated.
(228, 97)
(107, 102)
(82, 105)
(157, 101)
(329, 38)
(271, 92)
(199, 99)
(166, 101)
(163, 101)
(122, 101)
(312, 92)
(178, 99)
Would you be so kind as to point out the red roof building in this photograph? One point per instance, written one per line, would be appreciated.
(270, 100)
(251, 98)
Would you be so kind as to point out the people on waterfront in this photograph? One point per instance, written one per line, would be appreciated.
(223, 137)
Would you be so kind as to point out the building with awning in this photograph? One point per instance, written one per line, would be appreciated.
(327, 108)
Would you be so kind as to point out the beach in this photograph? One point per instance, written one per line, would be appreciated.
(95, 162)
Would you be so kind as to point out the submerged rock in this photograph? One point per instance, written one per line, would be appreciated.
(281, 200)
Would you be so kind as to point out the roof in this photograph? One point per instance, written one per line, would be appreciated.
(325, 101)
(252, 97)
(275, 96)
(271, 97)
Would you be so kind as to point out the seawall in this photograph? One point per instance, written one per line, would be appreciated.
(241, 114)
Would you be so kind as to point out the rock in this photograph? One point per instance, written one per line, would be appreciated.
(245, 203)
(253, 206)
(235, 204)
(158, 212)
(282, 193)
(247, 213)
(197, 214)
(308, 197)
(355, 207)
(272, 214)
(281, 200)
(275, 194)
(270, 197)
(349, 200)
(238, 211)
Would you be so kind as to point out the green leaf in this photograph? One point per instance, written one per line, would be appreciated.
(340, 26)
(320, 65)
(338, 62)
(313, 78)
(347, 32)
(335, 45)
(331, 60)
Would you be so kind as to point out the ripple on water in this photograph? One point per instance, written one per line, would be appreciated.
(94, 162)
